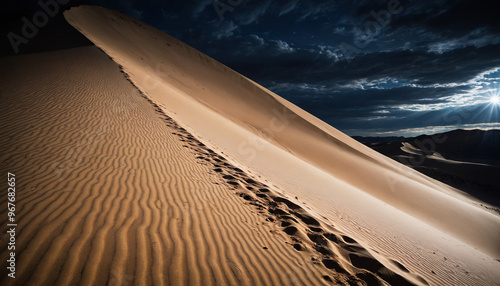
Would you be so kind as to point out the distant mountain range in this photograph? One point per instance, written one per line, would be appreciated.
(367, 140)
(468, 160)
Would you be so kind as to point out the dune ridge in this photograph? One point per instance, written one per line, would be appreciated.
(391, 210)
(191, 76)
(153, 181)
(350, 262)
(108, 195)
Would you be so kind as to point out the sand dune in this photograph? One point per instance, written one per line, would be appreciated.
(116, 192)
(110, 190)
(466, 159)
(335, 176)
(192, 174)
(229, 110)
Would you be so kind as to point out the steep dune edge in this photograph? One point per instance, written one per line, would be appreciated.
(130, 197)
(140, 49)
(110, 192)
(334, 177)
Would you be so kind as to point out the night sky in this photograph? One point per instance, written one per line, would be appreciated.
(371, 68)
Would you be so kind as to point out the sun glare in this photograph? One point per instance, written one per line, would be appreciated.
(495, 100)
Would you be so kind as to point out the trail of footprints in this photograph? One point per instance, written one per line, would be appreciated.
(304, 231)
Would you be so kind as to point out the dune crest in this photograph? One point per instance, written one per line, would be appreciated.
(110, 190)
(379, 202)
(147, 162)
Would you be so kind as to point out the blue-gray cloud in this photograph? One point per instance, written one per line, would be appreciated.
(423, 60)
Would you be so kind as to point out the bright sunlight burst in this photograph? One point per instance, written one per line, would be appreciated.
(495, 100)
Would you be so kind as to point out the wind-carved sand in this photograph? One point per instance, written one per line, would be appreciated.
(112, 191)
(191, 174)
(108, 193)
(305, 232)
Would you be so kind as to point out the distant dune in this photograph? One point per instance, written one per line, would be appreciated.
(465, 159)
(147, 162)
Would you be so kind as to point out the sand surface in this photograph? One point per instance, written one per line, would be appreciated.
(162, 166)
(394, 211)
(110, 190)
(465, 159)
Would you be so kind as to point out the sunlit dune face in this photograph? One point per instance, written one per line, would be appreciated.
(495, 100)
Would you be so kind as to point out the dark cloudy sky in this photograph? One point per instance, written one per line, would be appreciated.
(366, 67)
